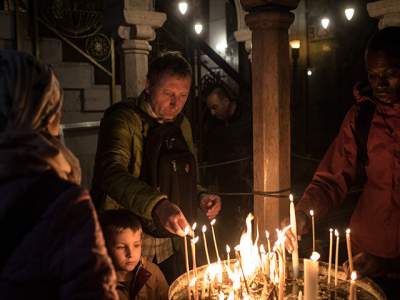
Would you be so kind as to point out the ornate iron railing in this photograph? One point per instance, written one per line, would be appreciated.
(76, 23)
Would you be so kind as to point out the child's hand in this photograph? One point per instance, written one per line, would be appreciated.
(171, 217)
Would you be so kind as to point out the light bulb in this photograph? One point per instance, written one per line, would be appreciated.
(198, 28)
(349, 12)
(183, 7)
(325, 22)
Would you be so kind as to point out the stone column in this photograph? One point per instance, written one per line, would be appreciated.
(133, 24)
(387, 11)
(269, 22)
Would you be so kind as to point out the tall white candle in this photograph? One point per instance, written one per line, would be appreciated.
(336, 256)
(215, 240)
(353, 291)
(268, 242)
(349, 254)
(311, 270)
(228, 251)
(187, 230)
(330, 255)
(204, 229)
(193, 242)
(313, 229)
(295, 253)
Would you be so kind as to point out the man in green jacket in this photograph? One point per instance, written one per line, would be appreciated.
(122, 152)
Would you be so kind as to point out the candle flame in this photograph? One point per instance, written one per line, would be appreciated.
(204, 228)
(231, 296)
(330, 230)
(228, 249)
(194, 226)
(291, 197)
(267, 234)
(192, 282)
(221, 296)
(187, 230)
(311, 213)
(212, 222)
(348, 231)
(353, 275)
(262, 249)
(315, 256)
(194, 240)
(336, 233)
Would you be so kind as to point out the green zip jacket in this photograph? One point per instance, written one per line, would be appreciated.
(119, 160)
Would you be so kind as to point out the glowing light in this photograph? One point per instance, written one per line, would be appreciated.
(315, 256)
(187, 230)
(294, 44)
(221, 46)
(204, 228)
(325, 22)
(212, 222)
(291, 198)
(198, 28)
(194, 226)
(309, 72)
(353, 275)
(349, 13)
(183, 7)
(311, 213)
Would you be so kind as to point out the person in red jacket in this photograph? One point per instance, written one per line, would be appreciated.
(375, 222)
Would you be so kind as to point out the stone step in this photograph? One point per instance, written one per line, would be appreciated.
(75, 75)
(98, 98)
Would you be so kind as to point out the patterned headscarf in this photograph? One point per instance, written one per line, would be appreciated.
(30, 105)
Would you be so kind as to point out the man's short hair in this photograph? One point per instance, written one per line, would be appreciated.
(386, 40)
(171, 63)
(220, 90)
(116, 220)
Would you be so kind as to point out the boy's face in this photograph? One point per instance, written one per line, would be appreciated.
(384, 76)
(126, 249)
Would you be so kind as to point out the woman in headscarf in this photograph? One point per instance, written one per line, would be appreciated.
(51, 243)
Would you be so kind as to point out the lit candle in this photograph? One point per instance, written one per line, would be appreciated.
(353, 291)
(311, 270)
(228, 251)
(204, 229)
(336, 256)
(330, 255)
(268, 242)
(187, 230)
(349, 254)
(192, 286)
(215, 240)
(193, 242)
(300, 296)
(295, 253)
(313, 230)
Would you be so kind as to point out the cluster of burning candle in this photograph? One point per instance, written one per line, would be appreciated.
(257, 268)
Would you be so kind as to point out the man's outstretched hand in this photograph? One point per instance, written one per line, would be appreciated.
(171, 217)
(302, 223)
(210, 204)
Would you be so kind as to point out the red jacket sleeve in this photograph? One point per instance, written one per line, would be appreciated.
(335, 173)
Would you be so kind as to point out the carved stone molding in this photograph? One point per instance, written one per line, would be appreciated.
(387, 11)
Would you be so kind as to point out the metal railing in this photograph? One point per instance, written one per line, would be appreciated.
(37, 20)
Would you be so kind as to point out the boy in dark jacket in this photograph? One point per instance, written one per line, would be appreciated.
(137, 277)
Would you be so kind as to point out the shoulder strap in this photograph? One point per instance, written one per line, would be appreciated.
(362, 126)
(22, 217)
